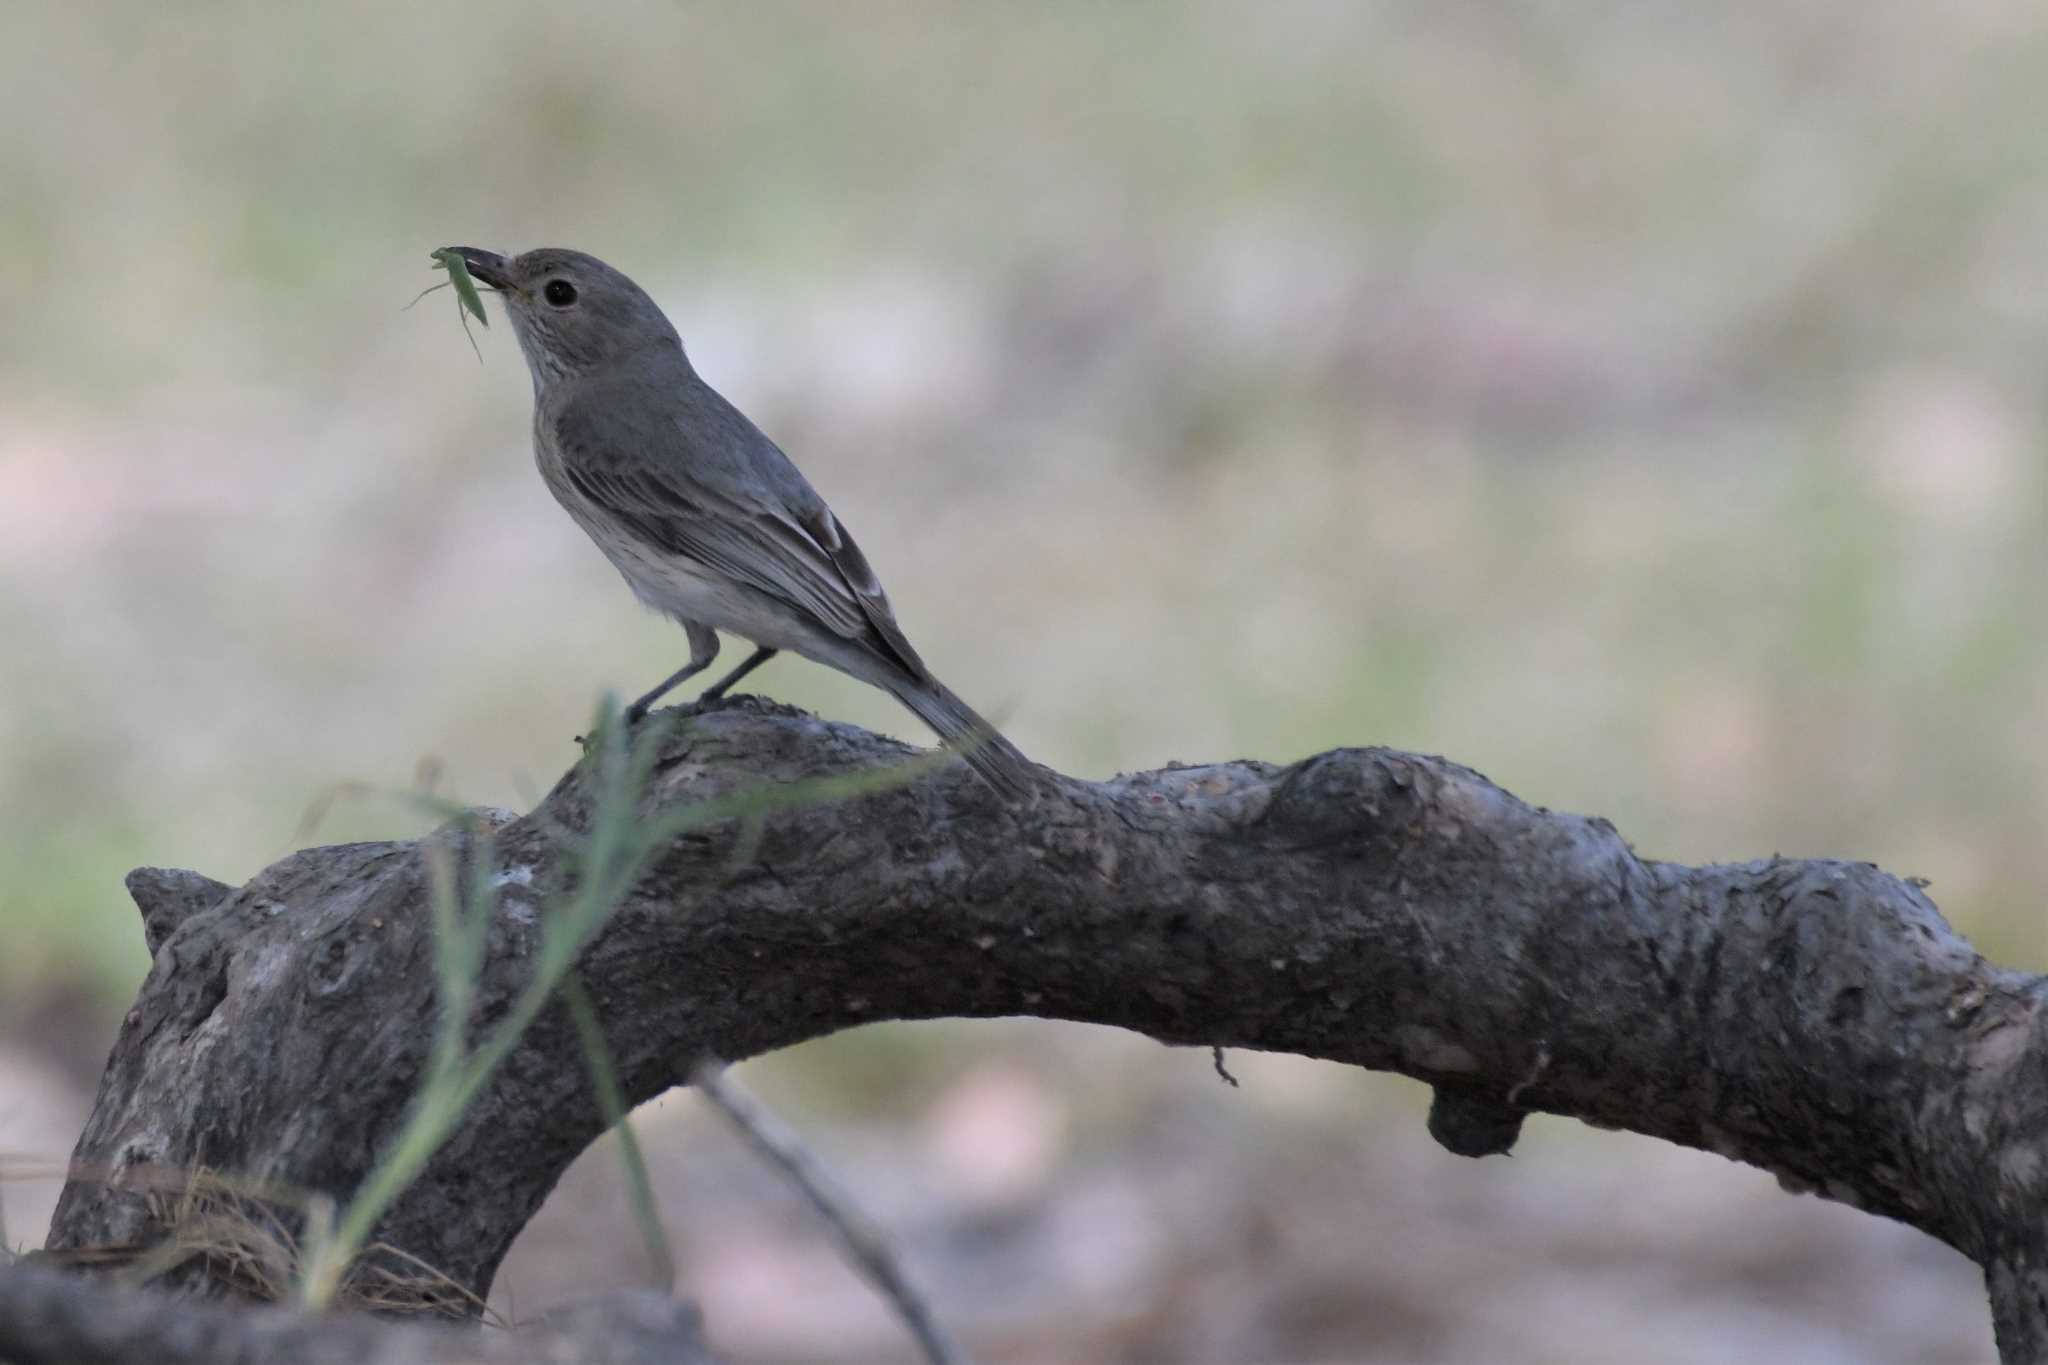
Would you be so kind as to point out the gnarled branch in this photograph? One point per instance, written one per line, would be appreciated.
(1817, 1019)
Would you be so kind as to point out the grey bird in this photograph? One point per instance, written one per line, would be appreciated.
(704, 516)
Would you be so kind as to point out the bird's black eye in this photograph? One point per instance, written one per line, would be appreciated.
(560, 293)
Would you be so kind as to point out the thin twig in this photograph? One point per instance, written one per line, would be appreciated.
(864, 1244)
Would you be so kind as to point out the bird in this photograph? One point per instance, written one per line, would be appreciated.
(704, 516)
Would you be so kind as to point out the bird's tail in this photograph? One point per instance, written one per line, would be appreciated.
(1001, 764)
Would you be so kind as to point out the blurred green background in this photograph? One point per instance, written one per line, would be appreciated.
(1639, 402)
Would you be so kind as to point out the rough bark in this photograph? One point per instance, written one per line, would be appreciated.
(1389, 910)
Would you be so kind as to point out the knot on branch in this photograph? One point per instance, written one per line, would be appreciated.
(1465, 1124)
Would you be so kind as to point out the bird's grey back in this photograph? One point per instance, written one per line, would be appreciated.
(653, 415)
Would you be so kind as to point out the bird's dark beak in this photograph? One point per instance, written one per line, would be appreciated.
(488, 266)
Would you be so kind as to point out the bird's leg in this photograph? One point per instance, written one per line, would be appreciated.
(638, 709)
(703, 649)
(761, 655)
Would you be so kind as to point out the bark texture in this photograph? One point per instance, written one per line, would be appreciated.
(1389, 910)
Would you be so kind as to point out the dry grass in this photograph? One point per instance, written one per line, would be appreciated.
(237, 1236)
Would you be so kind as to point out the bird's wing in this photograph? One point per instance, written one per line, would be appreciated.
(770, 531)
(822, 530)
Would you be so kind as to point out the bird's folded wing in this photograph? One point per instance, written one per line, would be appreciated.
(824, 531)
(804, 557)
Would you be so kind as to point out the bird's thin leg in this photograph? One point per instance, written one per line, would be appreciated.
(703, 649)
(761, 655)
(663, 688)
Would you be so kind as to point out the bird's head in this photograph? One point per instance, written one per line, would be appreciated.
(572, 313)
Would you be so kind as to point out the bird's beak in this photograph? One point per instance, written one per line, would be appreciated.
(488, 266)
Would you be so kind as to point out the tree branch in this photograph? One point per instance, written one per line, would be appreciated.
(1393, 911)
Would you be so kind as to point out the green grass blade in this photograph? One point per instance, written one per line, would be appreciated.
(612, 857)
(611, 1102)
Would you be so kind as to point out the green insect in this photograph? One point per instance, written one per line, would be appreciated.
(450, 260)
(469, 301)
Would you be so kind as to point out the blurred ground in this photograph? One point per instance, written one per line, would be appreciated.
(1638, 402)
(1068, 1194)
